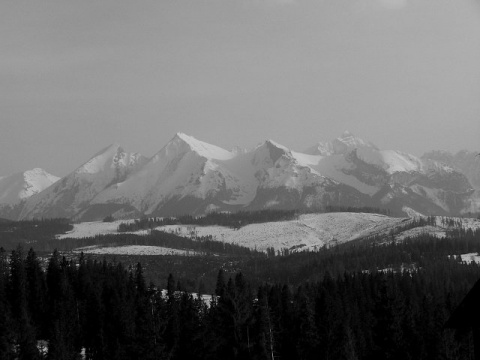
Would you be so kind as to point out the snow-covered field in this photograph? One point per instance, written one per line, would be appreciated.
(309, 231)
(90, 229)
(133, 250)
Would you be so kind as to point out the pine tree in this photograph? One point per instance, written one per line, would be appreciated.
(220, 285)
(24, 332)
(36, 293)
(6, 335)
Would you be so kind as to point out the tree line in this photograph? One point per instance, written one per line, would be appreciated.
(236, 220)
(294, 268)
(31, 231)
(201, 244)
(233, 220)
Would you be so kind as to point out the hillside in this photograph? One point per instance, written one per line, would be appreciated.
(308, 232)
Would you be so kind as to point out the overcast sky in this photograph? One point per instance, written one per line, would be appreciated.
(76, 76)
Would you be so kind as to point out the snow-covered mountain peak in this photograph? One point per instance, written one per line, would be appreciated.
(270, 142)
(346, 134)
(182, 143)
(347, 141)
(21, 186)
(110, 149)
(36, 172)
(269, 152)
(191, 176)
(101, 160)
(321, 148)
(341, 145)
(112, 157)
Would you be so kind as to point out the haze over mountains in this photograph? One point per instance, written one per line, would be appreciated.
(191, 176)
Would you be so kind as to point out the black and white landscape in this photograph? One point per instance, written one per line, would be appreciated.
(286, 179)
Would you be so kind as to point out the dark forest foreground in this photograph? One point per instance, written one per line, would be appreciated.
(107, 311)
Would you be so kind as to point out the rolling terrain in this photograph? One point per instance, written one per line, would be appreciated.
(309, 232)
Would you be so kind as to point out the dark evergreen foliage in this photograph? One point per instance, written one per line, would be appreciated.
(374, 299)
(109, 312)
(30, 232)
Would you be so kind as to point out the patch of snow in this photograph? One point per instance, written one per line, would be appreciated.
(93, 228)
(207, 299)
(469, 258)
(397, 161)
(411, 213)
(436, 231)
(336, 167)
(204, 149)
(409, 268)
(134, 250)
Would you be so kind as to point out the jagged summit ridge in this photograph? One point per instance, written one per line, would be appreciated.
(188, 175)
(74, 193)
(346, 142)
(182, 141)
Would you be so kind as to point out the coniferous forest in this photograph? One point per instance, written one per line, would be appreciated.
(99, 309)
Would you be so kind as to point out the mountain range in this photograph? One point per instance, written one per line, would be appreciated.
(188, 176)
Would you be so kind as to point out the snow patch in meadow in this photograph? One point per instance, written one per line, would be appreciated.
(133, 250)
(469, 258)
(93, 228)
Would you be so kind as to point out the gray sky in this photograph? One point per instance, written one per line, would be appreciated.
(76, 76)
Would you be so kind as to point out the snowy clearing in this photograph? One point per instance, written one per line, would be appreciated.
(93, 228)
(310, 231)
(470, 257)
(133, 250)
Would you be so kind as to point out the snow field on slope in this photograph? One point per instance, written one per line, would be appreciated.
(93, 228)
(431, 230)
(439, 230)
(308, 232)
(133, 250)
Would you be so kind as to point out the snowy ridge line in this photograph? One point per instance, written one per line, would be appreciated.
(191, 176)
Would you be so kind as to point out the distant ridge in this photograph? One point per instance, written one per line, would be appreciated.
(189, 176)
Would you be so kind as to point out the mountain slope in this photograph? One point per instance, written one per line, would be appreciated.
(426, 185)
(191, 176)
(17, 188)
(71, 196)
(466, 162)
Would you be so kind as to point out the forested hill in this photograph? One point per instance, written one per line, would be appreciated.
(27, 231)
(365, 315)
